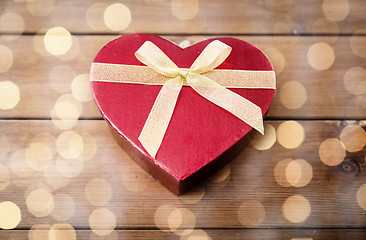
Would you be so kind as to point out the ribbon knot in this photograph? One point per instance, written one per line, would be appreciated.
(183, 73)
(159, 117)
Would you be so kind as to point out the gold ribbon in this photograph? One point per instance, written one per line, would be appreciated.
(212, 56)
(162, 70)
(229, 78)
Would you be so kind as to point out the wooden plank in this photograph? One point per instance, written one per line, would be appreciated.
(83, 176)
(194, 17)
(313, 93)
(206, 234)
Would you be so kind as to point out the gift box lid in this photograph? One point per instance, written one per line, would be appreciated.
(199, 131)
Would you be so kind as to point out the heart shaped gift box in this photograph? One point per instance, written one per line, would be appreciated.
(182, 112)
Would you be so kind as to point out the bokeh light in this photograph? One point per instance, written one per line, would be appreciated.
(80, 88)
(196, 234)
(290, 134)
(279, 5)
(353, 137)
(39, 156)
(358, 9)
(40, 202)
(298, 173)
(279, 172)
(184, 9)
(94, 16)
(102, 221)
(9, 95)
(161, 216)
(221, 175)
(293, 95)
(54, 178)
(193, 196)
(251, 213)
(63, 124)
(277, 59)
(40, 151)
(11, 22)
(98, 191)
(181, 221)
(112, 236)
(358, 43)
(38, 43)
(336, 10)
(169, 218)
(39, 232)
(361, 196)
(90, 146)
(69, 167)
(6, 59)
(355, 80)
(62, 231)
(10, 215)
(73, 52)
(296, 209)
(57, 40)
(69, 144)
(321, 56)
(64, 207)
(117, 17)
(326, 30)
(266, 141)
(332, 152)
(67, 107)
(18, 165)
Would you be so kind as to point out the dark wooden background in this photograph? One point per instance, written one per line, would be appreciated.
(61, 168)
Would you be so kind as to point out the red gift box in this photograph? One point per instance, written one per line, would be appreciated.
(201, 136)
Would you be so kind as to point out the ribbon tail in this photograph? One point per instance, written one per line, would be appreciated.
(242, 108)
(159, 117)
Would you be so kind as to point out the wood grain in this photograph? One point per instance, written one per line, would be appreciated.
(255, 234)
(86, 180)
(136, 197)
(230, 17)
(326, 95)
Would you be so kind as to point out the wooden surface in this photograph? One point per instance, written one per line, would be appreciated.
(326, 97)
(234, 17)
(61, 167)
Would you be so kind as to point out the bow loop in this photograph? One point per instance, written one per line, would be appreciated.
(211, 57)
(156, 59)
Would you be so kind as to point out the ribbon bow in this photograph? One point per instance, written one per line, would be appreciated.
(159, 117)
